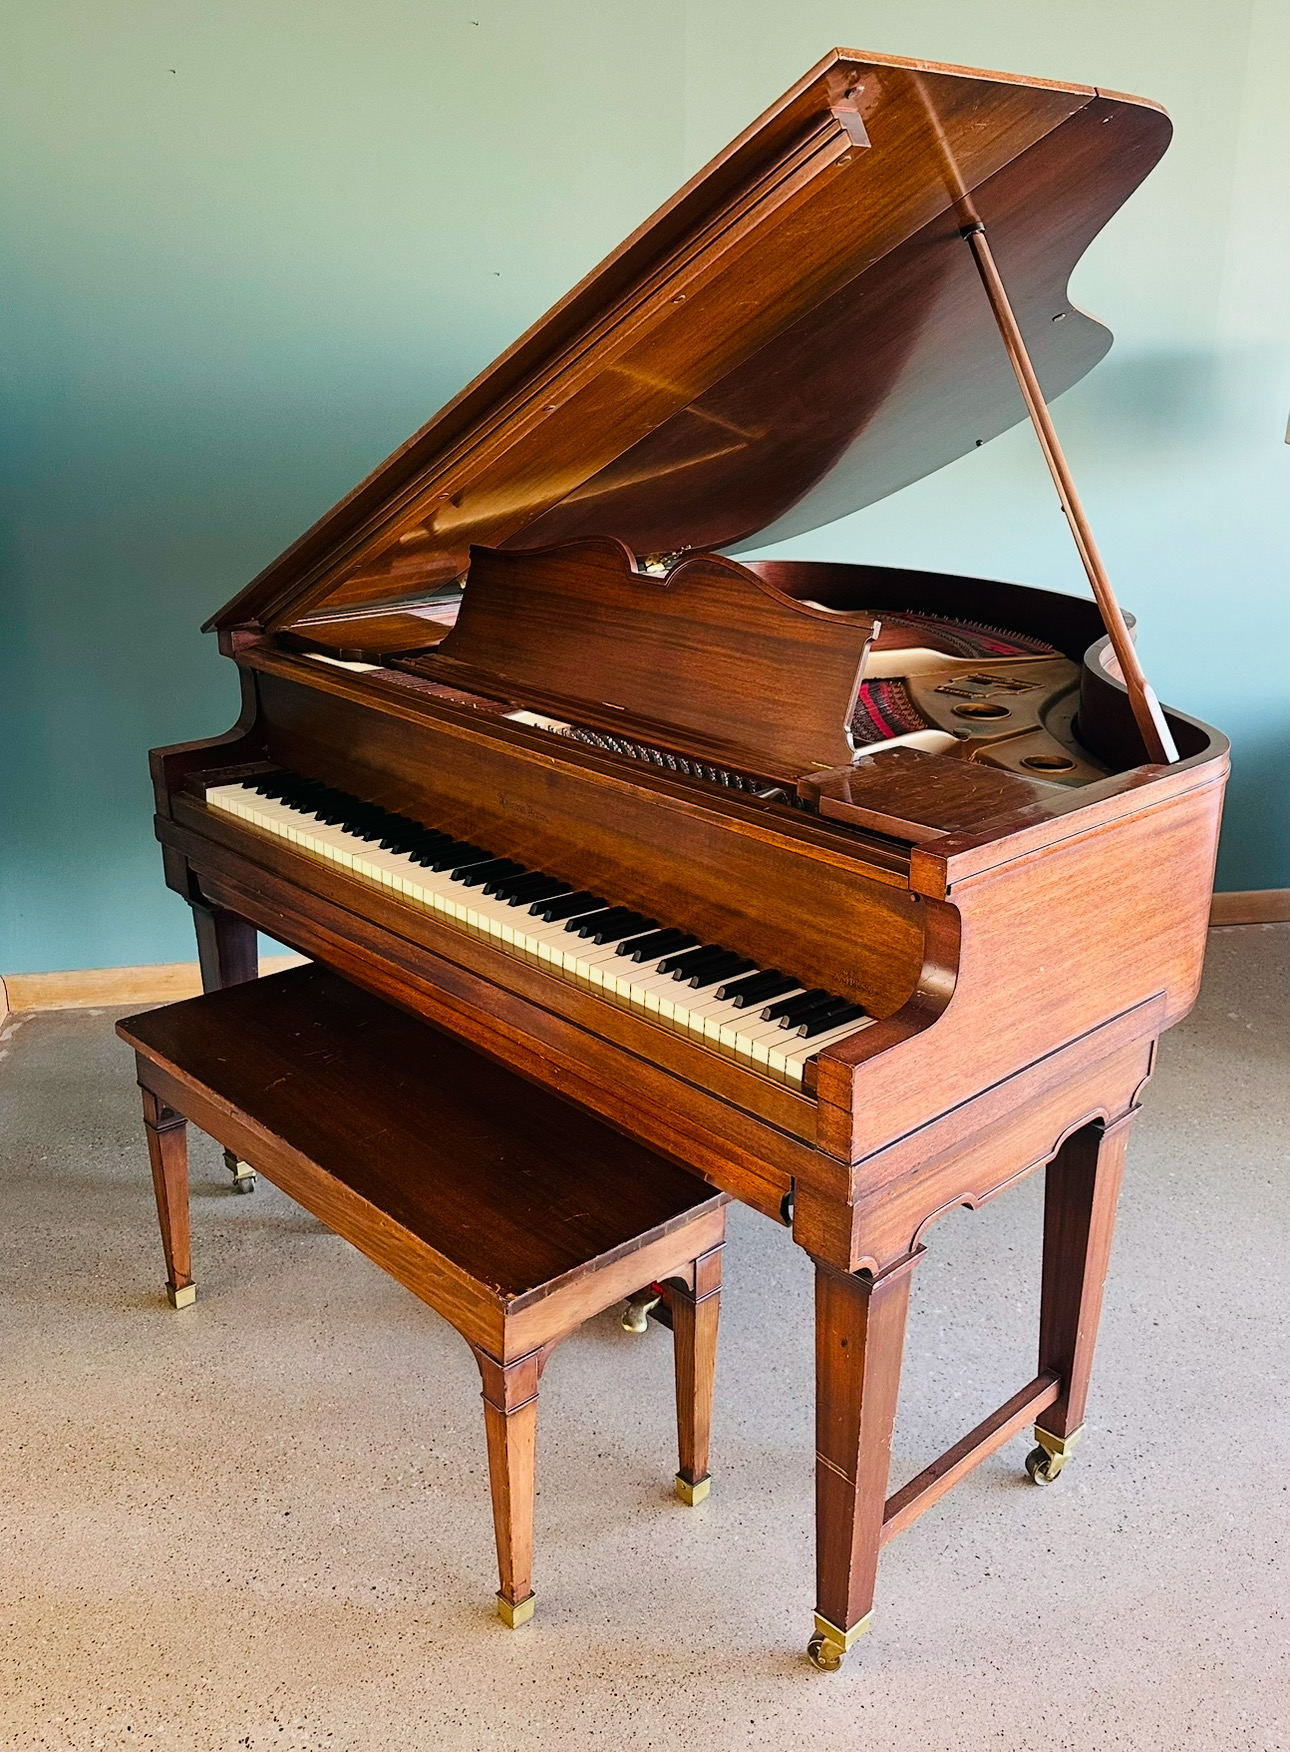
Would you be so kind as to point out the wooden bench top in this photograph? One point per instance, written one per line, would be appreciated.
(513, 1185)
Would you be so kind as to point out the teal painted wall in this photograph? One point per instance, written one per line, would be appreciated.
(248, 247)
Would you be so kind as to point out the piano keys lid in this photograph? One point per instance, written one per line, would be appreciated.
(799, 332)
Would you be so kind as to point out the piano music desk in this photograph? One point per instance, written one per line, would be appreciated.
(512, 1214)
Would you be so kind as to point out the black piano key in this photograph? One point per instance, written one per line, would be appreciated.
(805, 1001)
(711, 971)
(609, 916)
(758, 988)
(363, 825)
(834, 1019)
(458, 852)
(398, 837)
(545, 889)
(608, 930)
(656, 943)
(529, 886)
(576, 923)
(428, 848)
(568, 906)
(684, 963)
(475, 875)
(824, 1007)
(499, 886)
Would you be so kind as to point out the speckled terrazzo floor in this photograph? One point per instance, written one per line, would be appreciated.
(263, 1523)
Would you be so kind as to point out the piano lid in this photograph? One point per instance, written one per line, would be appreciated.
(797, 333)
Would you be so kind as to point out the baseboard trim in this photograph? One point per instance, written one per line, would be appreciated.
(104, 987)
(1251, 906)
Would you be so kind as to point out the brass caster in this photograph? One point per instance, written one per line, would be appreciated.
(183, 1297)
(1045, 1463)
(242, 1172)
(512, 1615)
(829, 1646)
(827, 1656)
(690, 1494)
(1043, 1469)
(638, 1310)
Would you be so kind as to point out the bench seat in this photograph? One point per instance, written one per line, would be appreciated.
(512, 1213)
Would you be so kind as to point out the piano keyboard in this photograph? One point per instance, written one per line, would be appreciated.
(759, 1016)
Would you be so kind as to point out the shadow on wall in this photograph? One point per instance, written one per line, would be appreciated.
(1256, 798)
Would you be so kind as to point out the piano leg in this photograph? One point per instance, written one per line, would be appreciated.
(510, 1417)
(695, 1315)
(1080, 1196)
(228, 953)
(226, 947)
(859, 1341)
(168, 1153)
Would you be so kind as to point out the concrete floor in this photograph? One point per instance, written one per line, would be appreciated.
(263, 1522)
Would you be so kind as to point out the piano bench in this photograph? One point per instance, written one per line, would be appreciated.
(513, 1214)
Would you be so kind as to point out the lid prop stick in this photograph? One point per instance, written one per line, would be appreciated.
(1156, 735)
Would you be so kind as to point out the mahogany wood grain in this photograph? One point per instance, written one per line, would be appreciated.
(228, 949)
(709, 644)
(798, 332)
(510, 1395)
(921, 797)
(696, 1313)
(820, 205)
(859, 1340)
(1081, 1192)
(617, 1063)
(244, 742)
(1042, 959)
(413, 700)
(1157, 741)
(364, 638)
(1068, 623)
(675, 856)
(393, 1109)
(904, 1506)
(511, 1217)
(167, 1134)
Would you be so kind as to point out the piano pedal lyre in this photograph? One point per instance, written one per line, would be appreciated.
(644, 1304)
(242, 1172)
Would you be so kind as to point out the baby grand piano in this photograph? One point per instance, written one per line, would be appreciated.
(865, 892)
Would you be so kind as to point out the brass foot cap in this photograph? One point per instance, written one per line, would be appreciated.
(1046, 1462)
(184, 1297)
(1058, 1447)
(829, 1645)
(693, 1493)
(512, 1615)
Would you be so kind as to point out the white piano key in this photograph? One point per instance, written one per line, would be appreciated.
(693, 1011)
(789, 1062)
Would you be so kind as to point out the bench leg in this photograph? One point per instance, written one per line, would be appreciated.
(168, 1153)
(510, 1418)
(1081, 1192)
(228, 951)
(695, 1315)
